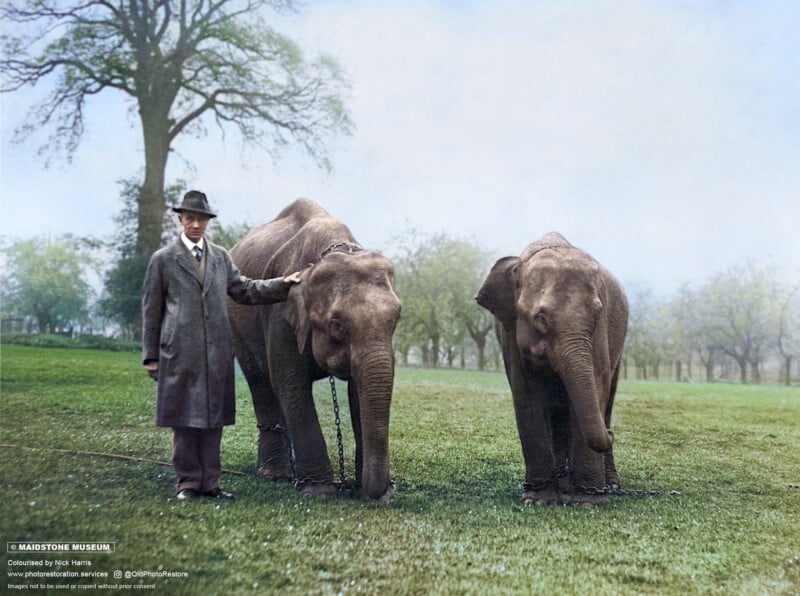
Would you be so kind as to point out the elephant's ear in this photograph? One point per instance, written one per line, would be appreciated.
(297, 312)
(497, 294)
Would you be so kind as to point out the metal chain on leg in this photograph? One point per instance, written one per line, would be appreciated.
(289, 446)
(338, 422)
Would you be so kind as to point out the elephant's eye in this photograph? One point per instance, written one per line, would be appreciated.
(540, 323)
(337, 330)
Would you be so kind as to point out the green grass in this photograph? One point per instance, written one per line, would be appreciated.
(456, 524)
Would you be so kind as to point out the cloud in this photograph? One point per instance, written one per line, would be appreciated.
(660, 136)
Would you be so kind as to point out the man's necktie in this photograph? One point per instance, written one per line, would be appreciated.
(198, 253)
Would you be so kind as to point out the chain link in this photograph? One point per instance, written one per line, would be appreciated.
(617, 492)
(338, 422)
(621, 492)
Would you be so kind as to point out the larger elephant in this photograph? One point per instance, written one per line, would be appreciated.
(338, 321)
(561, 319)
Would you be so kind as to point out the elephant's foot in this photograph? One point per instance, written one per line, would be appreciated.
(320, 490)
(274, 448)
(612, 480)
(612, 477)
(547, 495)
(383, 500)
(564, 485)
(587, 497)
(274, 473)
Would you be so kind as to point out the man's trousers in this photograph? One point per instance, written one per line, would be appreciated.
(196, 458)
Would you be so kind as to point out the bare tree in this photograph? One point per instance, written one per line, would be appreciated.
(641, 344)
(437, 279)
(737, 308)
(181, 63)
(478, 328)
(789, 329)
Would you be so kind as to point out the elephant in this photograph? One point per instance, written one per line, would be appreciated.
(561, 320)
(339, 320)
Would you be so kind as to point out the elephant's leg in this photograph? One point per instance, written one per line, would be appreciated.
(560, 431)
(313, 473)
(273, 460)
(274, 445)
(612, 478)
(530, 396)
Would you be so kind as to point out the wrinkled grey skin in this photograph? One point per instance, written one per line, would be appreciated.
(338, 321)
(561, 322)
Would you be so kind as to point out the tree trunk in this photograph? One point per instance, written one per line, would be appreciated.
(755, 373)
(155, 130)
(742, 370)
(481, 344)
(434, 351)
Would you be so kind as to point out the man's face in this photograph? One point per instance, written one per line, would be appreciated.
(194, 224)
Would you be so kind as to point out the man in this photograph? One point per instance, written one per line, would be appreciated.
(187, 347)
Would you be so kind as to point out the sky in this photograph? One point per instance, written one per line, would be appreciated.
(662, 137)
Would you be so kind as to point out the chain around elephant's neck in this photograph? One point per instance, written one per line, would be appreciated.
(349, 248)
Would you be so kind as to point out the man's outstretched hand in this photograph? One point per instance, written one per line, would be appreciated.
(294, 278)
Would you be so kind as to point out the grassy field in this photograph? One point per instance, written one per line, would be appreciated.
(456, 524)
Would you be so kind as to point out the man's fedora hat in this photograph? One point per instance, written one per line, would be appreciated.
(195, 201)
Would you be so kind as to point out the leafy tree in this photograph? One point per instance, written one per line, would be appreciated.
(181, 64)
(122, 294)
(121, 301)
(423, 296)
(679, 310)
(739, 315)
(437, 279)
(478, 327)
(47, 280)
(688, 309)
(640, 341)
(227, 235)
(789, 328)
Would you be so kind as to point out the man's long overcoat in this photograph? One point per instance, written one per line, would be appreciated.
(185, 328)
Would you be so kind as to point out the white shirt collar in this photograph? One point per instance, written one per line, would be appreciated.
(190, 245)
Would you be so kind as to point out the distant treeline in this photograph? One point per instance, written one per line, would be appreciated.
(739, 325)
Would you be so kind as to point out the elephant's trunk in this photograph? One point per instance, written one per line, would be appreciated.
(374, 377)
(581, 385)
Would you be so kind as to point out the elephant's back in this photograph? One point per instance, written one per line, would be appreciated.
(254, 251)
(301, 211)
(291, 241)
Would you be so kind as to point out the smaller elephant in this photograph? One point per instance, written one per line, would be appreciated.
(561, 320)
